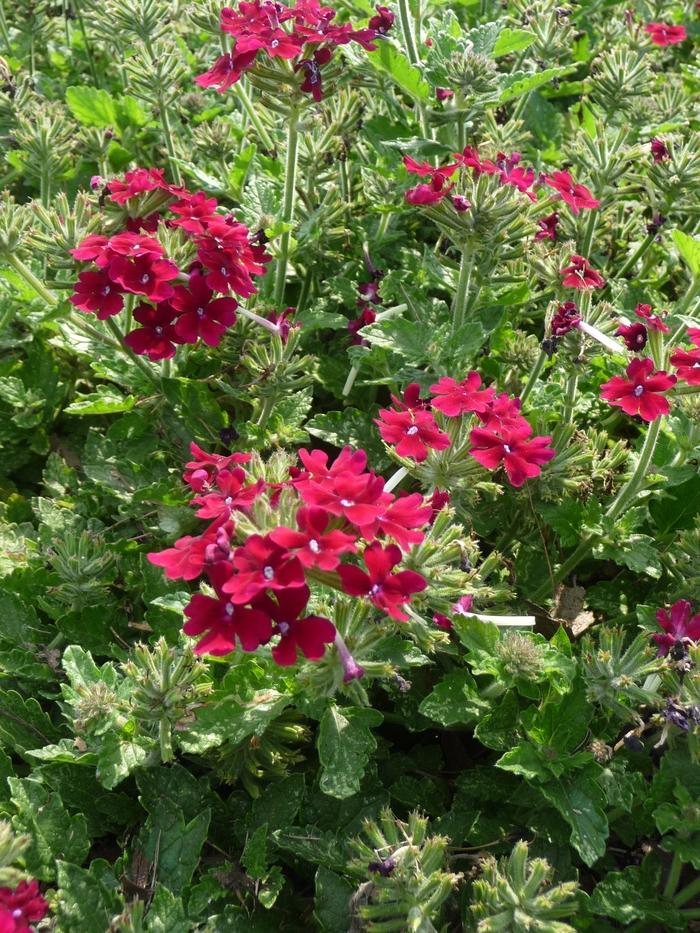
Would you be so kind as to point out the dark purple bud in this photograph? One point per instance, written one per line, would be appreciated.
(460, 203)
(634, 743)
(383, 867)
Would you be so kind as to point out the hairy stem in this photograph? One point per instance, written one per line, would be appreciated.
(534, 376)
(287, 206)
(461, 296)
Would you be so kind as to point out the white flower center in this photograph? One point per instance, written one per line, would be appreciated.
(274, 43)
(228, 500)
(200, 312)
(268, 572)
(145, 278)
(506, 448)
(107, 289)
(346, 503)
(283, 627)
(374, 590)
(637, 391)
(412, 430)
(228, 609)
(158, 330)
(222, 270)
(314, 546)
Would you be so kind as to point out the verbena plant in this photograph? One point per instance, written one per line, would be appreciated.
(349, 410)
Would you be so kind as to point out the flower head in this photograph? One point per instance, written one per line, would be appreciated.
(308, 635)
(386, 590)
(577, 196)
(580, 274)
(156, 338)
(665, 34)
(412, 433)
(634, 336)
(678, 626)
(640, 394)
(260, 565)
(96, 292)
(21, 906)
(654, 322)
(659, 150)
(548, 227)
(455, 398)
(314, 543)
(200, 314)
(510, 444)
(566, 318)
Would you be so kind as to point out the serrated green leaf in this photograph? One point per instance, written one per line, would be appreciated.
(254, 857)
(455, 699)
(689, 248)
(231, 720)
(394, 63)
(345, 743)
(512, 40)
(580, 800)
(332, 901)
(103, 402)
(92, 106)
(519, 83)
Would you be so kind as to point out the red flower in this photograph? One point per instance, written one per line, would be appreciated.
(653, 320)
(92, 249)
(145, 276)
(312, 83)
(283, 322)
(138, 181)
(187, 559)
(412, 433)
(548, 227)
(382, 22)
(225, 251)
(360, 499)
(21, 906)
(659, 150)
(309, 635)
(386, 590)
(460, 203)
(201, 315)
(665, 34)
(401, 519)
(634, 336)
(199, 472)
(503, 410)
(519, 178)
(261, 564)
(565, 319)
(367, 316)
(157, 337)
(223, 621)
(231, 494)
(443, 93)
(581, 275)
(437, 503)
(193, 209)
(687, 363)
(576, 195)
(96, 292)
(348, 461)
(678, 626)
(134, 244)
(314, 544)
(694, 336)
(469, 158)
(455, 398)
(639, 394)
(509, 444)
(226, 71)
(434, 190)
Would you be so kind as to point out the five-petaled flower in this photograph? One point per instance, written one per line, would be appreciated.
(634, 336)
(512, 445)
(580, 274)
(386, 590)
(261, 564)
(653, 321)
(687, 365)
(665, 33)
(315, 543)
(641, 392)
(21, 906)
(678, 624)
(309, 634)
(455, 398)
(412, 433)
(659, 150)
(577, 196)
(548, 227)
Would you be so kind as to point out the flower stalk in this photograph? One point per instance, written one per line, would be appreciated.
(287, 205)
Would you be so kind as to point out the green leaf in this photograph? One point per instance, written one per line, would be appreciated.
(23, 723)
(388, 59)
(119, 757)
(174, 845)
(106, 401)
(166, 913)
(512, 40)
(232, 720)
(525, 760)
(85, 904)
(580, 801)
(521, 82)
(454, 700)
(476, 635)
(92, 106)
(499, 728)
(562, 723)
(254, 857)
(633, 894)
(344, 746)
(55, 834)
(689, 248)
(332, 901)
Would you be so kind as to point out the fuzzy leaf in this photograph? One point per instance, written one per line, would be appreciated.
(85, 903)
(344, 746)
(394, 63)
(455, 699)
(689, 248)
(92, 106)
(580, 801)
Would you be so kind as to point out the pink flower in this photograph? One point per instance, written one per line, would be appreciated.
(548, 227)
(230, 494)
(437, 502)
(640, 393)
(228, 256)
(694, 336)
(509, 445)
(382, 21)
(226, 71)
(455, 398)
(202, 315)
(503, 410)
(654, 322)
(434, 190)
(659, 150)
(261, 564)
(348, 461)
(565, 319)
(401, 520)
(134, 245)
(91, 249)
(156, 338)
(687, 364)
(222, 621)
(386, 590)
(665, 34)
(469, 158)
(95, 291)
(678, 626)
(580, 274)
(411, 433)
(284, 322)
(443, 93)
(187, 559)
(138, 181)
(309, 635)
(314, 543)
(463, 606)
(634, 336)
(192, 210)
(200, 471)
(21, 906)
(575, 195)
(145, 276)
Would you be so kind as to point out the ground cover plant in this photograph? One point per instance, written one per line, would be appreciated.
(350, 426)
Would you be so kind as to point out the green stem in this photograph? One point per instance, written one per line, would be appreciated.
(588, 234)
(570, 398)
(169, 145)
(459, 302)
(674, 874)
(615, 509)
(687, 893)
(407, 30)
(32, 280)
(136, 360)
(692, 914)
(86, 42)
(636, 255)
(4, 30)
(287, 205)
(247, 105)
(534, 376)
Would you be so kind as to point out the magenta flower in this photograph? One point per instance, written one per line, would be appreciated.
(455, 398)
(231, 493)
(665, 34)
(133, 245)
(382, 21)
(437, 502)
(687, 365)
(469, 158)
(411, 433)
(659, 150)
(580, 274)
(156, 338)
(192, 211)
(640, 394)
(565, 319)
(401, 520)
(348, 461)
(21, 906)
(261, 564)
(314, 543)
(548, 227)
(200, 471)
(222, 621)
(654, 322)
(92, 249)
(435, 189)
(202, 315)
(96, 292)
(510, 444)
(678, 626)
(577, 196)
(145, 276)
(386, 590)
(189, 556)
(443, 93)
(634, 336)
(309, 635)
(136, 182)
(226, 71)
